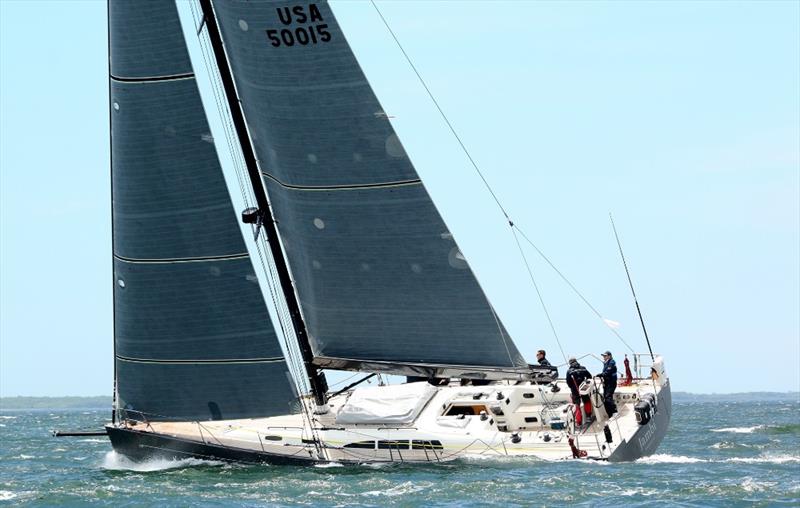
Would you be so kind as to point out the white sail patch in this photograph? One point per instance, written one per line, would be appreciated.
(457, 259)
(394, 148)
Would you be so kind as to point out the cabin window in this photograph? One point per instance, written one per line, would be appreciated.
(361, 444)
(426, 445)
(465, 409)
(393, 445)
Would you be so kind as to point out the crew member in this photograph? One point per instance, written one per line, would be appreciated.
(609, 376)
(541, 357)
(576, 375)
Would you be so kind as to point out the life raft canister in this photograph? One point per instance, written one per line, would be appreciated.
(645, 408)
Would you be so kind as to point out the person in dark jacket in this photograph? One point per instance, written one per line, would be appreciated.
(576, 375)
(541, 357)
(609, 377)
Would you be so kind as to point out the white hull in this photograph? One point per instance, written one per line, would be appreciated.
(520, 420)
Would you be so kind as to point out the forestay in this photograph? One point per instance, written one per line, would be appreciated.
(381, 282)
(193, 338)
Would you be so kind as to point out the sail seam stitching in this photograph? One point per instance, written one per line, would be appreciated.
(151, 79)
(399, 183)
(229, 257)
(200, 362)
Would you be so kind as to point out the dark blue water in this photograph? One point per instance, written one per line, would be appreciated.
(716, 454)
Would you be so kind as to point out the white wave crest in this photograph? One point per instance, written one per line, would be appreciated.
(739, 430)
(398, 490)
(639, 491)
(327, 465)
(116, 462)
(6, 495)
(7, 418)
(727, 445)
(775, 459)
(90, 440)
(665, 458)
(751, 485)
(495, 457)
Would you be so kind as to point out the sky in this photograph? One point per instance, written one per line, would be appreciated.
(680, 118)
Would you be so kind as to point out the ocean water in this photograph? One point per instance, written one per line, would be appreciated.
(715, 454)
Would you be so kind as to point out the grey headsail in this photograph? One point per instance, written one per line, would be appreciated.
(380, 280)
(193, 338)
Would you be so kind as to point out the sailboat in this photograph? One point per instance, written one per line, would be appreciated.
(362, 271)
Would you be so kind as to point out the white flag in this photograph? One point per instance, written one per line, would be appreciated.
(611, 324)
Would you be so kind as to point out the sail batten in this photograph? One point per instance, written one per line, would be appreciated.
(193, 337)
(380, 280)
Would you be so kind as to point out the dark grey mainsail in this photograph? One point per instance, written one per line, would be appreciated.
(193, 338)
(380, 280)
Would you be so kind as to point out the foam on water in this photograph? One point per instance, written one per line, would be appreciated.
(398, 490)
(740, 430)
(730, 445)
(665, 458)
(116, 462)
(777, 459)
(638, 492)
(327, 465)
(6, 495)
(751, 485)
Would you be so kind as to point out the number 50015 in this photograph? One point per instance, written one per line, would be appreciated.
(301, 35)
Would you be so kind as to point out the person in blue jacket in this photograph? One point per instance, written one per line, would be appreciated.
(609, 377)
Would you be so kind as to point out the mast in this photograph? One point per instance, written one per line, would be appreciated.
(111, 199)
(316, 377)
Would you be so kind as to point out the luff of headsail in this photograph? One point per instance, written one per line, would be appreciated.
(380, 280)
(193, 338)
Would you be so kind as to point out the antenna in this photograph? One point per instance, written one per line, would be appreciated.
(630, 282)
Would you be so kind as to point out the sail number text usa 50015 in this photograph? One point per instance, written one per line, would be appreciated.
(307, 33)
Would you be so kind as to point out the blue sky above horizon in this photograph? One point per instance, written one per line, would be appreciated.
(683, 119)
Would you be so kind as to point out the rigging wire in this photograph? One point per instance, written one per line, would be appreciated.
(490, 190)
(538, 293)
(441, 112)
(574, 289)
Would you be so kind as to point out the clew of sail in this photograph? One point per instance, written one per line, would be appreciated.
(193, 338)
(380, 280)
